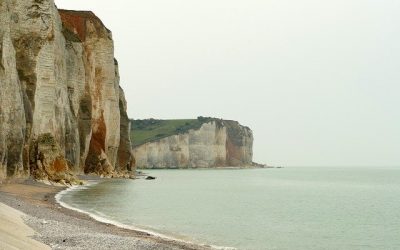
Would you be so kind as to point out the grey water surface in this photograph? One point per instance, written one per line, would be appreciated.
(289, 208)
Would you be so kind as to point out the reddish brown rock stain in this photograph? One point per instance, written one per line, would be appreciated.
(75, 23)
(97, 146)
(60, 165)
(99, 135)
(233, 153)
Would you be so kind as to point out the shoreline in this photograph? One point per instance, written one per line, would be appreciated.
(140, 170)
(62, 228)
(100, 219)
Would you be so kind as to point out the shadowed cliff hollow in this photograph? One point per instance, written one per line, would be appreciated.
(201, 143)
(62, 111)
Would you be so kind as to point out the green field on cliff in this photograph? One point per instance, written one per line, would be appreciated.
(143, 131)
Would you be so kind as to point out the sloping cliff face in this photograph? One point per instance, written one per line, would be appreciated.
(217, 143)
(60, 100)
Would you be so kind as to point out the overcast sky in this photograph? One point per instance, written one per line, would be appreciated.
(317, 81)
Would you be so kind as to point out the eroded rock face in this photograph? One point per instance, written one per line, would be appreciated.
(59, 79)
(103, 81)
(216, 144)
(47, 161)
(12, 114)
(125, 156)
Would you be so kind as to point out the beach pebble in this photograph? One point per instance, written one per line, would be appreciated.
(62, 231)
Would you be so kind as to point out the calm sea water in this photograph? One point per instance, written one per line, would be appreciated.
(290, 208)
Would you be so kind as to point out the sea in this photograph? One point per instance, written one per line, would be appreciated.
(287, 208)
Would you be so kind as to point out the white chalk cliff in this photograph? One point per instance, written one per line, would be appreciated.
(218, 143)
(62, 111)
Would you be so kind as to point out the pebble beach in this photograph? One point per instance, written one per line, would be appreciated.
(44, 224)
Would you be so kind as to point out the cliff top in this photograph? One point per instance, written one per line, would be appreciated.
(143, 131)
(149, 130)
(75, 22)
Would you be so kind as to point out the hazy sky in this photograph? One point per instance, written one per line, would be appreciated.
(317, 81)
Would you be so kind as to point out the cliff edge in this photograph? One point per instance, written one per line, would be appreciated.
(62, 111)
(201, 143)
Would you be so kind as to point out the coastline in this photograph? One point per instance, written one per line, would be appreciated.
(141, 170)
(63, 228)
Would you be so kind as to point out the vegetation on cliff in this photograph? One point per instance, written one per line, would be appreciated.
(197, 143)
(149, 130)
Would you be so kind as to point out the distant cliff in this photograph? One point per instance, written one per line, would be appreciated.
(62, 111)
(201, 143)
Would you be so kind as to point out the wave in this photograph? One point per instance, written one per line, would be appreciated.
(58, 198)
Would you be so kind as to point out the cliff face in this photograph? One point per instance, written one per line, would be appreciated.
(62, 111)
(216, 143)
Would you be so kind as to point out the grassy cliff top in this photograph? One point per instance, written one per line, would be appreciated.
(143, 131)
